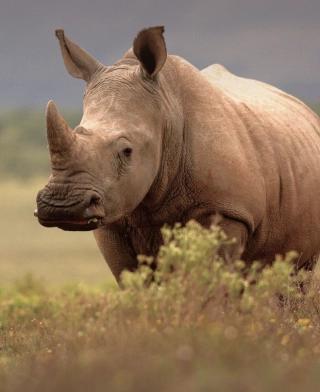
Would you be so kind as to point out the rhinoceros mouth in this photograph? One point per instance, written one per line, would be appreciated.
(73, 225)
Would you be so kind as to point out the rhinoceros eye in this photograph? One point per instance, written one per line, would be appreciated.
(127, 152)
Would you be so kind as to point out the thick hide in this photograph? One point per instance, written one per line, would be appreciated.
(162, 142)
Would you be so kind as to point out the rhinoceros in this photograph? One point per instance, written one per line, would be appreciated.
(162, 142)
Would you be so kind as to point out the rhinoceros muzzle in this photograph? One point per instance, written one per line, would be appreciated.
(82, 216)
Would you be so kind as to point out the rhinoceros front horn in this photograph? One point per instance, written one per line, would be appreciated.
(61, 138)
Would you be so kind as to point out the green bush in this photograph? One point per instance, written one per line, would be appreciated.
(191, 279)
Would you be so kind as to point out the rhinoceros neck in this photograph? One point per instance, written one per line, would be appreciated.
(173, 195)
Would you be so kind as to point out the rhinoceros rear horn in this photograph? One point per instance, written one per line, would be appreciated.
(150, 49)
(78, 62)
(61, 138)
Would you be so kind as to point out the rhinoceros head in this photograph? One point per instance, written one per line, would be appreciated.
(104, 168)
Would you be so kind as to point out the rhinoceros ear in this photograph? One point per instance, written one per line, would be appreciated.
(150, 49)
(78, 62)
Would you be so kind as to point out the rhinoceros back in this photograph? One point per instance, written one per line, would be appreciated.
(285, 134)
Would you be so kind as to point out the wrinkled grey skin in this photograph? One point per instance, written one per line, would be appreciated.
(161, 142)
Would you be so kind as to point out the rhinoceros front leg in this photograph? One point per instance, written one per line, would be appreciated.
(116, 248)
(234, 229)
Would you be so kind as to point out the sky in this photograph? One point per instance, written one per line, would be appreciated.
(275, 41)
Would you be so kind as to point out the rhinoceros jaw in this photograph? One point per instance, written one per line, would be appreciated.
(72, 225)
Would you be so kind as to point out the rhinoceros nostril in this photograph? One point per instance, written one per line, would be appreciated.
(94, 209)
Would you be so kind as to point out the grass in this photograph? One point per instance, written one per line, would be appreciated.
(198, 325)
(51, 255)
(195, 325)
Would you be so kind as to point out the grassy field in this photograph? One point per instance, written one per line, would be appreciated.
(51, 255)
(201, 327)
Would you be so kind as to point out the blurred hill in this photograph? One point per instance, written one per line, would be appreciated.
(23, 144)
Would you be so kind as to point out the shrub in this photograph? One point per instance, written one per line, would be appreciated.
(192, 280)
(194, 323)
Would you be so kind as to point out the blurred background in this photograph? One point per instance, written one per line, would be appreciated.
(274, 41)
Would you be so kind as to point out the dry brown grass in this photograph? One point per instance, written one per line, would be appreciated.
(51, 255)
